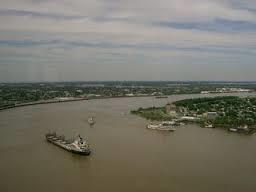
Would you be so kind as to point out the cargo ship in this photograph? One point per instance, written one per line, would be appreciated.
(78, 146)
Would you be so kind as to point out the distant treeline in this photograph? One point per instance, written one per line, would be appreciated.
(208, 100)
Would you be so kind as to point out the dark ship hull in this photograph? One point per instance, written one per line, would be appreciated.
(68, 146)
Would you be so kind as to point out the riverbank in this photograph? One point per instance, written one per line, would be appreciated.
(40, 103)
(63, 101)
(229, 112)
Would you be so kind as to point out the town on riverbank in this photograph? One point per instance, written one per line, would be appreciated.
(230, 112)
(21, 94)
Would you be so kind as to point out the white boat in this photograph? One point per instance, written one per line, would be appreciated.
(168, 123)
(91, 121)
(182, 124)
(233, 129)
(152, 126)
(209, 126)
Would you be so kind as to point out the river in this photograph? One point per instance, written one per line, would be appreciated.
(125, 157)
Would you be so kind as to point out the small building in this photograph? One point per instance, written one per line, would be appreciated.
(189, 118)
(210, 115)
(183, 110)
(129, 94)
(173, 114)
(170, 108)
(156, 93)
(79, 91)
(205, 92)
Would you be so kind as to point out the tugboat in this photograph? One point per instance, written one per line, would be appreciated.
(91, 121)
(78, 146)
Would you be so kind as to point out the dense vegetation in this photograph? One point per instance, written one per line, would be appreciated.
(228, 112)
(152, 113)
(201, 105)
(232, 111)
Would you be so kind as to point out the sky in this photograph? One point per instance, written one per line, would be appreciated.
(90, 40)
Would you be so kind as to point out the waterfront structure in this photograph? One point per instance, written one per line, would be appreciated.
(210, 115)
(173, 114)
(170, 109)
(189, 118)
(205, 92)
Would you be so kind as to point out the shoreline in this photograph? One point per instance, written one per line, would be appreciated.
(200, 114)
(64, 101)
(43, 102)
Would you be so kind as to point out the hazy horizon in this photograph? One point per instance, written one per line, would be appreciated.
(130, 81)
(109, 40)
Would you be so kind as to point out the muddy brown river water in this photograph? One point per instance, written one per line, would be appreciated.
(125, 157)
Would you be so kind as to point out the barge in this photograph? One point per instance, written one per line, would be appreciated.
(78, 146)
(161, 97)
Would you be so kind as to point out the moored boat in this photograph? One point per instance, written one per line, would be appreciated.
(161, 127)
(208, 126)
(241, 129)
(233, 129)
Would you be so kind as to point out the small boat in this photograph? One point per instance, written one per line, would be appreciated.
(241, 129)
(91, 121)
(233, 129)
(152, 126)
(182, 124)
(209, 126)
(169, 123)
(78, 146)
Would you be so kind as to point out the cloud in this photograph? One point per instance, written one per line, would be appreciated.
(23, 13)
(171, 34)
(217, 25)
